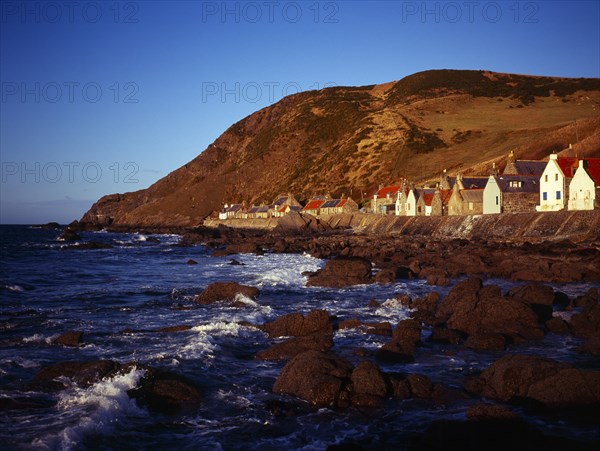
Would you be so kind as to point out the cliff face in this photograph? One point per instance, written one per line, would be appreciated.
(346, 141)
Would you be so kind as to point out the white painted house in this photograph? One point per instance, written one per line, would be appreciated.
(410, 208)
(554, 183)
(584, 189)
(492, 197)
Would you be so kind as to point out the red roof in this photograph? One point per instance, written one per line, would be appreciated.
(428, 198)
(446, 194)
(314, 204)
(342, 203)
(567, 165)
(383, 192)
(593, 169)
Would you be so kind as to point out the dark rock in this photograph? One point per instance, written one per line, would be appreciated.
(441, 334)
(374, 304)
(367, 379)
(384, 328)
(420, 385)
(539, 297)
(385, 276)
(400, 387)
(561, 300)
(544, 381)
(486, 342)
(402, 346)
(294, 346)
(591, 346)
(225, 291)
(474, 309)
(585, 302)
(341, 272)
(234, 262)
(83, 374)
(297, 325)
(490, 411)
(170, 329)
(349, 324)
(435, 276)
(425, 308)
(69, 235)
(557, 325)
(315, 377)
(587, 323)
(192, 262)
(242, 248)
(51, 225)
(72, 339)
(166, 392)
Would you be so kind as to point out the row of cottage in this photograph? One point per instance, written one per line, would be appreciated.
(524, 185)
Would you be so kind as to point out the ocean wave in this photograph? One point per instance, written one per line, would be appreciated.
(40, 338)
(95, 410)
(12, 287)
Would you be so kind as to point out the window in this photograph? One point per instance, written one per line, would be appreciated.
(419, 209)
(545, 196)
(546, 178)
(470, 205)
(556, 177)
(558, 195)
(408, 206)
(497, 200)
(515, 184)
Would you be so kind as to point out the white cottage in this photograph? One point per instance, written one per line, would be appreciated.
(554, 183)
(410, 207)
(584, 189)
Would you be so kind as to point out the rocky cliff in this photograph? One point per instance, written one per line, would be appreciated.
(348, 140)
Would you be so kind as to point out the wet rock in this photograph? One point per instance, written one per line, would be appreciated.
(384, 328)
(315, 377)
(385, 276)
(171, 329)
(341, 272)
(298, 325)
(586, 324)
(435, 276)
(591, 346)
(539, 297)
(51, 225)
(441, 334)
(402, 346)
(587, 301)
(484, 411)
(69, 235)
(557, 325)
(225, 291)
(420, 385)
(474, 309)
(486, 342)
(192, 262)
(349, 324)
(234, 262)
(294, 346)
(83, 374)
(72, 339)
(242, 248)
(425, 308)
(367, 378)
(166, 392)
(544, 381)
(374, 304)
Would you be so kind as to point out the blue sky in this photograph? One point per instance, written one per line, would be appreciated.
(103, 97)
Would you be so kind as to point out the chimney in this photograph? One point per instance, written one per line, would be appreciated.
(553, 156)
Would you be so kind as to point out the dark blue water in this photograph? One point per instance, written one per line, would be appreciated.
(142, 283)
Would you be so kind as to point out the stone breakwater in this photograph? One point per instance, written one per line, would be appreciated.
(577, 226)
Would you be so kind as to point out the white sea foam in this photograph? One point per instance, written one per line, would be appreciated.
(40, 338)
(13, 287)
(232, 398)
(282, 270)
(94, 410)
(393, 309)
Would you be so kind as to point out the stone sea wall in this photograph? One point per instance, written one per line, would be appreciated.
(574, 225)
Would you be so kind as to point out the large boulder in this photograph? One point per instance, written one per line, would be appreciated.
(475, 310)
(342, 272)
(298, 325)
(539, 297)
(545, 381)
(401, 348)
(294, 346)
(82, 374)
(586, 324)
(316, 377)
(165, 392)
(225, 292)
(369, 387)
(72, 339)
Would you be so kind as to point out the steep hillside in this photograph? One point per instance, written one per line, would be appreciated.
(348, 140)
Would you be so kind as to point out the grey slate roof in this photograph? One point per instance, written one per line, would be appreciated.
(528, 184)
(525, 167)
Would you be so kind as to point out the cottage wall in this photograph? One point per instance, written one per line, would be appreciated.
(520, 202)
(582, 190)
(492, 197)
(552, 187)
(437, 206)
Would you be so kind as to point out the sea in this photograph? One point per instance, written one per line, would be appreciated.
(120, 296)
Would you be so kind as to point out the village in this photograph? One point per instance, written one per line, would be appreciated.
(554, 184)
